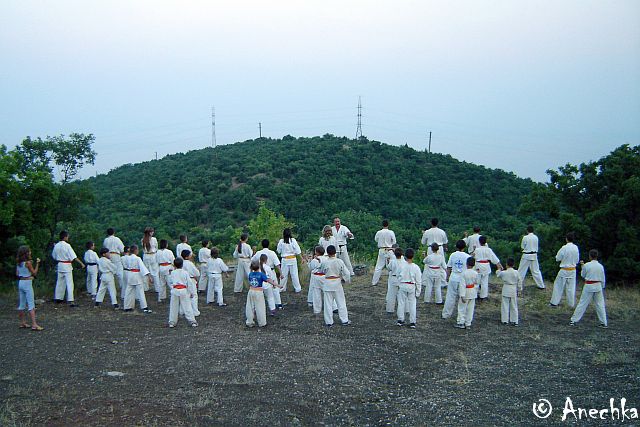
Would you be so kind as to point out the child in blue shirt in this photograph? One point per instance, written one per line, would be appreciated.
(255, 297)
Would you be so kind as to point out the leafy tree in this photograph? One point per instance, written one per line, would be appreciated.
(267, 225)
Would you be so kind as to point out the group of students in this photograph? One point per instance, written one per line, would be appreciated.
(464, 274)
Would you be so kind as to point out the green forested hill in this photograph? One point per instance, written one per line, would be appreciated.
(211, 192)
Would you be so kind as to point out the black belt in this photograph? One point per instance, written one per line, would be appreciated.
(90, 263)
(529, 253)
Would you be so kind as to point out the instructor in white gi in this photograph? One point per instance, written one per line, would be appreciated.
(342, 233)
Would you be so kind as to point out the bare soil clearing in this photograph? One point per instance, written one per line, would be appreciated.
(298, 372)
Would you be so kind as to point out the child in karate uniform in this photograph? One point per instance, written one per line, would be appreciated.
(183, 245)
(243, 254)
(255, 297)
(434, 266)
(274, 264)
(204, 254)
(108, 271)
(180, 297)
(149, 252)
(512, 283)
(468, 291)
(194, 274)
(317, 278)
(395, 264)
(135, 272)
(409, 288)
(455, 267)
(268, 287)
(289, 251)
(165, 259)
(91, 261)
(216, 267)
(484, 257)
(335, 272)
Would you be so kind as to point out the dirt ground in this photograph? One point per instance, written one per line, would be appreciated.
(298, 372)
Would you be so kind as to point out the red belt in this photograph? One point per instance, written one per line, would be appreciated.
(484, 261)
(179, 286)
(115, 253)
(473, 285)
(133, 270)
(434, 268)
(332, 277)
(591, 282)
(165, 264)
(65, 262)
(318, 274)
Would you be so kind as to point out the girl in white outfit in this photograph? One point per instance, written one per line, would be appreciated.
(243, 254)
(289, 251)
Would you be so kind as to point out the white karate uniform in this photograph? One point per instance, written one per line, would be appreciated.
(458, 265)
(484, 256)
(325, 243)
(150, 261)
(568, 256)
(393, 281)
(272, 262)
(107, 281)
(341, 235)
(91, 261)
(116, 248)
(511, 284)
(194, 274)
(335, 270)
(63, 253)
(594, 283)
(434, 235)
(215, 267)
(472, 242)
(122, 263)
(180, 298)
(255, 299)
(385, 239)
(288, 254)
(468, 291)
(529, 258)
(267, 289)
(434, 266)
(409, 287)
(164, 258)
(244, 265)
(316, 283)
(135, 272)
(181, 247)
(204, 255)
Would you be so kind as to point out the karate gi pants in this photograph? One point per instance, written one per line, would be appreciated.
(407, 302)
(343, 254)
(180, 302)
(525, 264)
(335, 294)
(392, 294)
(135, 291)
(64, 283)
(432, 281)
(451, 299)
(204, 278)
(107, 284)
(289, 267)
(269, 296)
(589, 292)
(381, 262)
(163, 283)
(194, 298)
(317, 298)
(565, 283)
(509, 310)
(153, 267)
(214, 291)
(92, 279)
(483, 281)
(242, 273)
(255, 304)
(465, 310)
(116, 259)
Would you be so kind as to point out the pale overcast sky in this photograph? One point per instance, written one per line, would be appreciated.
(520, 85)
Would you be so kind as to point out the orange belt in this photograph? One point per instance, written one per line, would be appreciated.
(434, 268)
(255, 289)
(65, 262)
(165, 264)
(179, 286)
(290, 257)
(318, 274)
(484, 261)
(568, 268)
(591, 282)
(117, 253)
(332, 277)
(473, 285)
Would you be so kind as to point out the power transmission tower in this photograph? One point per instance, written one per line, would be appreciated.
(260, 128)
(359, 128)
(214, 143)
(429, 142)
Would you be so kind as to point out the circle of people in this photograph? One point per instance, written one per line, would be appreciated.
(464, 274)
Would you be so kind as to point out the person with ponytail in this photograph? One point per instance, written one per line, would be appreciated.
(149, 251)
(289, 252)
(26, 273)
(243, 254)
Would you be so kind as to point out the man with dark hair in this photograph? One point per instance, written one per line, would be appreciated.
(529, 258)
(116, 248)
(473, 240)
(385, 239)
(568, 256)
(64, 255)
(594, 283)
(435, 235)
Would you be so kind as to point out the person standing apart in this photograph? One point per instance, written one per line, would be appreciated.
(64, 255)
(204, 255)
(568, 256)
(529, 258)
(26, 273)
(91, 261)
(594, 284)
(342, 233)
(435, 235)
(243, 254)
(385, 239)
(149, 251)
(289, 251)
(116, 249)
